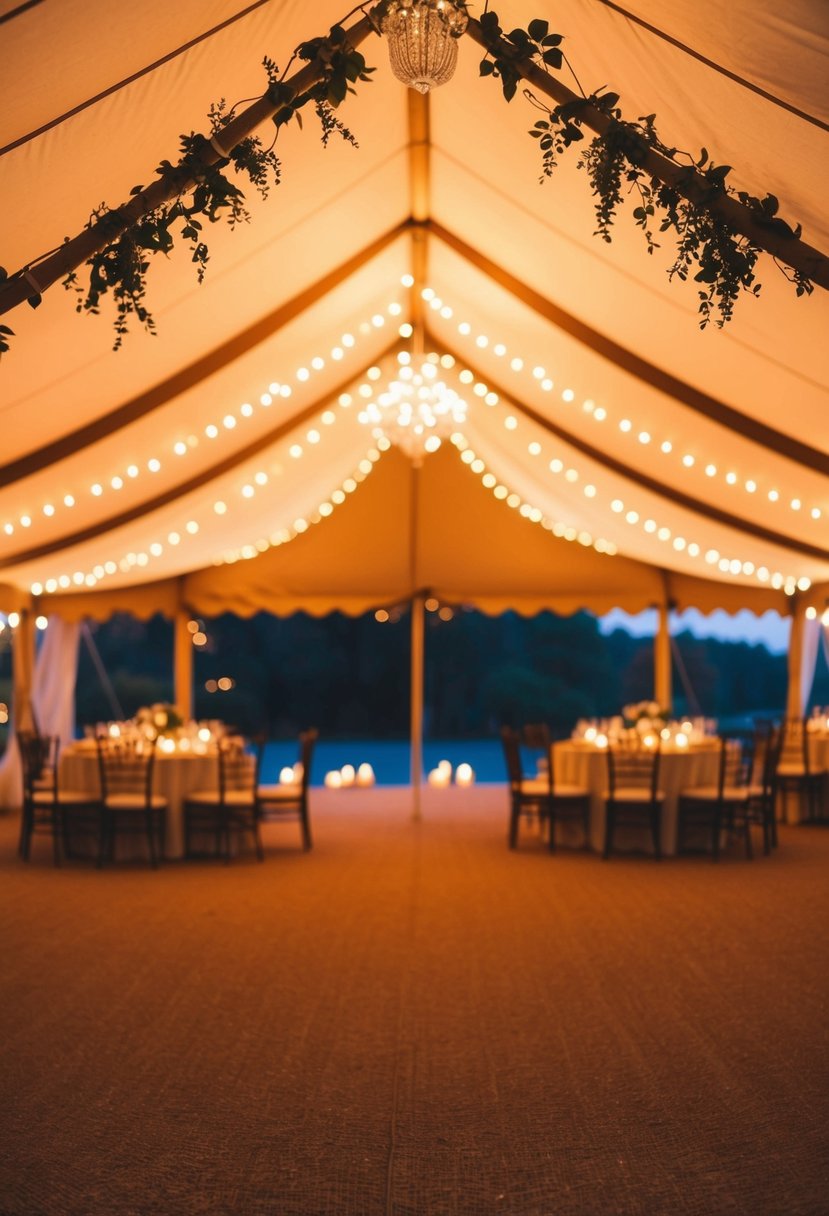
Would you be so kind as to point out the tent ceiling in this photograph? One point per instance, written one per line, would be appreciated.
(323, 257)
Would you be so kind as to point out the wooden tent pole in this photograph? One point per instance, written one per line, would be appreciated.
(685, 181)
(183, 663)
(416, 712)
(23, 666)
(794, 693)
(662, 689)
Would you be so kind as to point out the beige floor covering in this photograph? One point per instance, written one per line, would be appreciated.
(413, 1020)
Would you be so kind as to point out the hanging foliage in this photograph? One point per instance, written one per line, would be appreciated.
(720, 259)
(714, 253)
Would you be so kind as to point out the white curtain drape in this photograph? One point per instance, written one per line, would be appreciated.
(53, 700)
(811, 641)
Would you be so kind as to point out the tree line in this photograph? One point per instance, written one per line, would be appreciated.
(350, 676)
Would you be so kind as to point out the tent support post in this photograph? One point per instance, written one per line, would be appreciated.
(794, 692)
(416, 713)
(183, 664)
(662, 690)
(23, 666)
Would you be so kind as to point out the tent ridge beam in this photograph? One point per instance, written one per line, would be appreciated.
(642, 369)
(691, 186)
(217, 358)
(186, 487)
(698, 506)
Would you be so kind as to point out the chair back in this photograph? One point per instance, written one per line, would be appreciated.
(238, 768)
(126, 766)
(307, 743)
(794, 743)
(736, 765)
(511, 742)
(633, 766)
(766, 760)
(38, 755)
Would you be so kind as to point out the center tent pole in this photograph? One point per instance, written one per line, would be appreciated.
(416, 707)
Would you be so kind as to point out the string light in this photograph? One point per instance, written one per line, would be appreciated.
(517, 365)
(180, 447)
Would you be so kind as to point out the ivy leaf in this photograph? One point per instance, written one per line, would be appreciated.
(490, 26)
(34, 301)
(486, 67)
(538, 29)
(553, 58)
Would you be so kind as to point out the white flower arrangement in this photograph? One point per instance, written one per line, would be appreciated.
(160, 719)
(645, 714)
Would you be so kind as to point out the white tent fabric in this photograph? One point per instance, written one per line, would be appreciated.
(53, 700)
(615, 416)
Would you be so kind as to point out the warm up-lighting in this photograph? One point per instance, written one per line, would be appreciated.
(347, 775)
(13, 619)
(204, 734)
(286, 776)
(423, 46)
(365, 775)
(601, 740)
(464, 775)
(167, 745)
(440, 777)
(333, 779)
(114, 730)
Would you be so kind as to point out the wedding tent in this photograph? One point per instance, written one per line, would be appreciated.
(613, 453)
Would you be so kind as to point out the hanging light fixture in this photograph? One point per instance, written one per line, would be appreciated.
(416, 409)
(423, 40)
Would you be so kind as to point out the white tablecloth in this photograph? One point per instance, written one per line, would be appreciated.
(584, 764)
(176, 775)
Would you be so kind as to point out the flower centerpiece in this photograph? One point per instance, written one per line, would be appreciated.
(645, 716)
(159, 720)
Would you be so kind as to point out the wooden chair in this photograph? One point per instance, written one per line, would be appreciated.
(47, 808)
(722, 807)
(794, 770)
(290, 799)
(128, 804)
(566, 802)
(529, 796)
(230, 808)
(633, 795)
(761, 808)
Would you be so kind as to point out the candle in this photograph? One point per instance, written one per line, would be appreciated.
(168, 745)
(464, 775)
(286, 776)
(333, 780)
(439, 777)
(365, 775)
(347, 774)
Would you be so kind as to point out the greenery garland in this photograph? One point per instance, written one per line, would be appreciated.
(721, 260)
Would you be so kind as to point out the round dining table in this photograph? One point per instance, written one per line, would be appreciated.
(578, 762)
(176, 775)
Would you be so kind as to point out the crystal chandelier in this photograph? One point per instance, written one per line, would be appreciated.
(423, 40)
(416, 409)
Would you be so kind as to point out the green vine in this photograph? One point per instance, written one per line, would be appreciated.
(719, 258)
(208, 193)
(709, 251)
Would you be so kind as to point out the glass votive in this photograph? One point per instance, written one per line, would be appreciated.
(365, 775)
(464, 775)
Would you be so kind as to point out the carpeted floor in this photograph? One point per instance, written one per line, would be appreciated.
(413, 1020)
